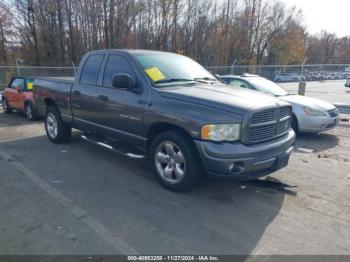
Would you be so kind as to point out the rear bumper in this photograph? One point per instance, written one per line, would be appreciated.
(243, 162)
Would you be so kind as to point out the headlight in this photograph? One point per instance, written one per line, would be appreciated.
(314, 111)
(221, 132)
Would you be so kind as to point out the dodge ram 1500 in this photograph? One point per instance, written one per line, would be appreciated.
(168, 107)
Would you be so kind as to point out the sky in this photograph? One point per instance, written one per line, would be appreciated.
(330, 15)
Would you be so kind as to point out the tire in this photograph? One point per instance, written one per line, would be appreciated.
(5, 107)
(295, 125)
(56, 130)
(181, 162)
(30, 112)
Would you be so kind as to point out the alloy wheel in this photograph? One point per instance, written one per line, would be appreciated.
(29, 112)
(170, 162)
(51, 125)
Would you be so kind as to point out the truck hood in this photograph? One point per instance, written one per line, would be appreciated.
(307, 101)
(222, 97)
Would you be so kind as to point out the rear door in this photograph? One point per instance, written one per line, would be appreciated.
(87, 106)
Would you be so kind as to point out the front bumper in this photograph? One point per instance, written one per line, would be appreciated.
(244, 162)
(314, 124)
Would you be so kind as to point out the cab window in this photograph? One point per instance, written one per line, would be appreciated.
(116, 64)
(91, 70)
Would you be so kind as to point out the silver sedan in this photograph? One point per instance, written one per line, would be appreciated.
(309, 114)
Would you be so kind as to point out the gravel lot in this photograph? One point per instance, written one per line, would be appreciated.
(81, 199)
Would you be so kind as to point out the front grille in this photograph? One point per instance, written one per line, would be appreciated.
(333, 113)
(285, 112)
(283, 126)
(269, 124)
(264, 116)
(261, 132)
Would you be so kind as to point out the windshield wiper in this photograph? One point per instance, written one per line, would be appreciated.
(171, 80)
(206, 79)
(198, 79)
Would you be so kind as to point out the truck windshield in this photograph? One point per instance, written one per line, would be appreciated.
(166, 69)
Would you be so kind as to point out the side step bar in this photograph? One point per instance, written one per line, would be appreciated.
(113, 146)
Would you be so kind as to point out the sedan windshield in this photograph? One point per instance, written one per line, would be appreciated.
(267, 86)
(165, 69)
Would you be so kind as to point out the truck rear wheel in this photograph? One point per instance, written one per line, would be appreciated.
(30, 111)
(56, 130)
(175, 161)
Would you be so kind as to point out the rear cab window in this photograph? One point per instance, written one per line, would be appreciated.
(91, 70)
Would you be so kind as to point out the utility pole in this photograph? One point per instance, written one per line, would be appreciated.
(233, 64)
(302, 83)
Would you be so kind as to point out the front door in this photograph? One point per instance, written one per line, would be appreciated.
(16, 96)
(124, 109)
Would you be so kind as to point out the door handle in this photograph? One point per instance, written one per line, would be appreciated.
(76, 93)
(103, 98)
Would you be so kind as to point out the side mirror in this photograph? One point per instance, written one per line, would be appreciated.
(125, 81)
(243, 86)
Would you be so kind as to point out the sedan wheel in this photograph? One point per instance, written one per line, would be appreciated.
(5, 107)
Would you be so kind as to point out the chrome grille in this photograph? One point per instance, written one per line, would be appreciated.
(264, 116)
(269, 124)
(333, 113)
(283, 126)
(285, 112)
(261, 132)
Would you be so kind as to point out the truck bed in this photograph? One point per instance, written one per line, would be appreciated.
(57, 89)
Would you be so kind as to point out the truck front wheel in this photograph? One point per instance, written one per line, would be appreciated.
(175, 161)
(56, 130)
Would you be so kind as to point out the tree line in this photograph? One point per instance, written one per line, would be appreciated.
(213, 32)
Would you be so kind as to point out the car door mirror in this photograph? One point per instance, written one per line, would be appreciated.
(125, 81)
(243, 86)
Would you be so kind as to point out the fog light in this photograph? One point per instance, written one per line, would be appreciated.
(231, 167)
(236, 168)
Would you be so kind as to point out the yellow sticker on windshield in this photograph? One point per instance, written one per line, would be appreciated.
(154, 73)
(30, 86)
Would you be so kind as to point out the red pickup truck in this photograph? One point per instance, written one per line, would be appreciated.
(18, 96)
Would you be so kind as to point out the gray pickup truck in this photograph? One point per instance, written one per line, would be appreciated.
(168, 107)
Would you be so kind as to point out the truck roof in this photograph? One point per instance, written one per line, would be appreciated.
(129, 51)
